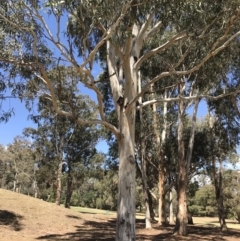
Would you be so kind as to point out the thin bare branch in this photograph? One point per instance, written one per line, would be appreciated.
(180, 36)
(189, 98)
(153, 30)
(108, 35)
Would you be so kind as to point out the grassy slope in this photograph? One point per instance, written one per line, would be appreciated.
(24, 218)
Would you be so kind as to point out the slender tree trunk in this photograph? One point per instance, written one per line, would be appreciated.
(35, 188)
(181, 222)
(69, 189)
(59, 182)
(161, 172)
(160, 167)
(14, 186)
(152, 214)
(183, 167)
(171, 218)
(161, 210)
(189, 216)
(219, 196)
(144, 164)
(145, 191)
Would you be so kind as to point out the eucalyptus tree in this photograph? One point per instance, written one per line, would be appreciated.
(122, 28)
(224, 139)
(231, 184)
(21, 160)
(59, 135)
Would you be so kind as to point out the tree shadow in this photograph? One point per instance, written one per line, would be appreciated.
(89, 231)
(11, 219)
(105, 230)
(73, 216)
(228, 222)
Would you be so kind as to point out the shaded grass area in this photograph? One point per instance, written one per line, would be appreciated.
(213, 221)
(11, 219)
(97, 231)
(100, 211)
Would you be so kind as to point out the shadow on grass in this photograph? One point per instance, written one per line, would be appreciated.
(96, 231)
(73, 216)
(107, 213)
(11, 219)
(228, 222)
(89, 231)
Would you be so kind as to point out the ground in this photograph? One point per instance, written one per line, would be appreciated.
(23, 218)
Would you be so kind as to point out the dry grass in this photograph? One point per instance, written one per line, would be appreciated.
(24, 218)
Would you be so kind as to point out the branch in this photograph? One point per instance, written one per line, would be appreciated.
(79, 120)
(209, 97)
(141, 34)
(117, 49)
(99, 97)
(108, 35)
(185, 72)
(148, 159)
(153, 195)
(177, 37)
(153, 29)
(229, 24)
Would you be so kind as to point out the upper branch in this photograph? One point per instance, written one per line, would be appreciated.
(65, 113)
(179, 36)
(184, 72)
(189, 98)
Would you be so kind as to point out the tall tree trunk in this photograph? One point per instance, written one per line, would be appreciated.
(181, 222)
(161, 205)
(144, 164)
(69, 189)
(145, 189)
(125, 226)
(152, 214)
(161, 172)
(219, 196)
(183, 167)
(59, 182)
(160, 167)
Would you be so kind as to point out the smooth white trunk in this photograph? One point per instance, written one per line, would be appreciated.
(125, 226)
